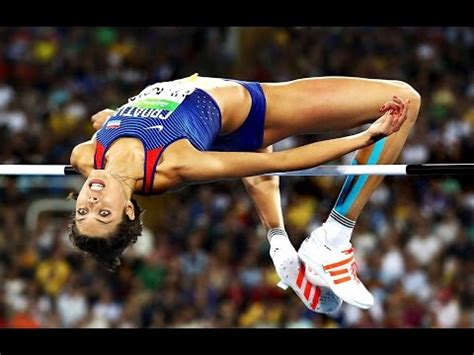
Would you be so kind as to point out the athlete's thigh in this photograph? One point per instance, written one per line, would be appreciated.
(329, 103)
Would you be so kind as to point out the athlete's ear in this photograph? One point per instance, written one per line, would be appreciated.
(130, 210)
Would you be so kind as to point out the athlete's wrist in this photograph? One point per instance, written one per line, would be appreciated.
(365, 139)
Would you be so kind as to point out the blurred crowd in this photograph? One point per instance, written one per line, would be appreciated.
(203, 260)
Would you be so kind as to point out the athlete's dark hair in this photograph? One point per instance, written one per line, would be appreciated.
(107, 249)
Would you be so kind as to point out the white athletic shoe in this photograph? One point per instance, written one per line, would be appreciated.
(336, 268)
(317, 298)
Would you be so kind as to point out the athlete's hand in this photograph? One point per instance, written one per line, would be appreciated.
(100, 117)
(397, 105)
(395, 114)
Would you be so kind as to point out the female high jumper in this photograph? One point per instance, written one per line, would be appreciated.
(198, 129)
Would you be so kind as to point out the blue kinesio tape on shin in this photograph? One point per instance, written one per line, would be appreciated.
(353, 185)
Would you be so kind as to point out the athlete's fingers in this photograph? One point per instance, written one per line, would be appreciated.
(99, 118)
(96, 126)
(398, 100)
(388, 122)
(390, 105)
(401, 117)
(103, 113)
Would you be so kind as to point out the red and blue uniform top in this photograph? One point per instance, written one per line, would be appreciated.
(166, 112)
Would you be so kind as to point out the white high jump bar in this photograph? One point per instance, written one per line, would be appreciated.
(322, 170)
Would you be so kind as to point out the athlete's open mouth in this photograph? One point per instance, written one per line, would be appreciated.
(96, 185)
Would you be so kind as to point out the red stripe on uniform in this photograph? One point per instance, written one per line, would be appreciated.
(99, 156)
(150, 159)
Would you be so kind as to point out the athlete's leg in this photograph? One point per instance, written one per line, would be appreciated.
(265, 193)
(312, 105)
(330, 103)
(321, 104)
(315, 105)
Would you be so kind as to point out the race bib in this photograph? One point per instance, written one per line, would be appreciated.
(167, 96)
(157, 100)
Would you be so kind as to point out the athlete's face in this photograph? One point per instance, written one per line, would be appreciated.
(101, 203)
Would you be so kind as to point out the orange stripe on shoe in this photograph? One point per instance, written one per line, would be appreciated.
(349, 251)
(344, 279)
(299, 280)
(339, 263)
(317, 294)
(307, 290)
(338, 272)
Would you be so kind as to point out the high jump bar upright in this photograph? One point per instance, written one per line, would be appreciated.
(322, 170)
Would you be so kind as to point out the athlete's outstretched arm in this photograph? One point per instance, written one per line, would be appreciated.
(210, 166)
(196, 166)
(265, 193)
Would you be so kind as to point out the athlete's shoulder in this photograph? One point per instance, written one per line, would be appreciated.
(82, 157)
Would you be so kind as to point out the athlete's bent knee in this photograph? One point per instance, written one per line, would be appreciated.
(406, 91)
